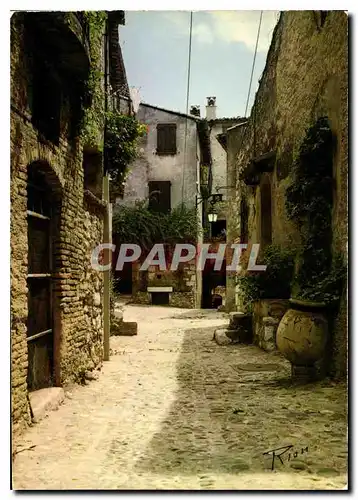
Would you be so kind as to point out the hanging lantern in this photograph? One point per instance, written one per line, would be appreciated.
(212, 215)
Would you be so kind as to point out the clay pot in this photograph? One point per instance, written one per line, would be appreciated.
(302, 334)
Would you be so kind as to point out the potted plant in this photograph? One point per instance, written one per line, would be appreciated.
(303, 333)
(266, 293)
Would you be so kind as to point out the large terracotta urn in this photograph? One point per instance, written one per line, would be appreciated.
(302, 337)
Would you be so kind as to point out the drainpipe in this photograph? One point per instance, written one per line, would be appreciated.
(106, 225)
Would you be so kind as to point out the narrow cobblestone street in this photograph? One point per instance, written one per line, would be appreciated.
(173, 410)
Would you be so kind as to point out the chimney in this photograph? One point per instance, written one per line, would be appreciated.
(211, 108)
(195, 110)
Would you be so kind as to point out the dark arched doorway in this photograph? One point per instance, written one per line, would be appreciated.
(42, 200)
(211, 280)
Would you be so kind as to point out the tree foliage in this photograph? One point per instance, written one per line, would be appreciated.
(137, 224)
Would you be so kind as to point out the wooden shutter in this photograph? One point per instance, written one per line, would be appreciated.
(159, 196)
(244, 216)
(266, 214)
(166, 138)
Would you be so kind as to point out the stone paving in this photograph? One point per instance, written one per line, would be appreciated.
(173, 410)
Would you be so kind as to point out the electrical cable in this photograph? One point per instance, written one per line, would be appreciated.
(245, 131)
(253, 63)
(243, 136)
(187, 103)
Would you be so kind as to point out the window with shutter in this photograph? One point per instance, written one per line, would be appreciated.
(167, 139)
(159, 196)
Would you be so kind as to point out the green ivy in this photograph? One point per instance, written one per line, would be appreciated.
(309, 202)
(122, 131)
(274, 283)
(137, 224)
(93, 120)
(122, 135)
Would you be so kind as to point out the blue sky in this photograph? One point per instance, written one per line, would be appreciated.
(155, 50)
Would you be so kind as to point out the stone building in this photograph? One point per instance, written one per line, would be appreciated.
(214, 282)
(168, 153)
(57, 209)
(218, 176)
(166, 173)
(182, 158)
(305, 78)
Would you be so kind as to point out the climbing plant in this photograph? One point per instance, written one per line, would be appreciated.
(93, 118)
(309, 202)
(121, 144)
(122, 131)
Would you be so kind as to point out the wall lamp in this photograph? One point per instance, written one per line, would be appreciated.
(212, 215)
(213, 199)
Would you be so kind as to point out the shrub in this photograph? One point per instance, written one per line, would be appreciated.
(137, 224)
(274, 283)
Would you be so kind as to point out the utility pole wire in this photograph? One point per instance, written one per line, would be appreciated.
(187, 103)
(253, 63)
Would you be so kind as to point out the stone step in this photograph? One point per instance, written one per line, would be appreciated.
(45, 400)
(240, 327)
(224, 336)
(234, 335)
(123, 328)
(221, 338)
(237, 319)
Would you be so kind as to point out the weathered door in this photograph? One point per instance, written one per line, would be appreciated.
(39, 321)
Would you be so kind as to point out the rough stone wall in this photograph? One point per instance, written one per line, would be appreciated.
(234, 138)
(152, 167)
(306, 76)
(263, 309)
(183, 282)
(77, 310)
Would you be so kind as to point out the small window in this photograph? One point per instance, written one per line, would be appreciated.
(159, 196)
(167, 139)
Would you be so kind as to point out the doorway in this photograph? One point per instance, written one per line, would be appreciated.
(212, 279)
(40, 338)
(124, 282)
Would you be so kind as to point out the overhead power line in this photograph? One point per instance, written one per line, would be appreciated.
(187, 103)
(253, 63)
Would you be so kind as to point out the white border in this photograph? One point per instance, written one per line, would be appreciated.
(6, 7)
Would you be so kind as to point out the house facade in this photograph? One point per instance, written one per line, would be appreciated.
(215, 182)
(168, 153)
(166, 174)
(181, 160)
(57, 207)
